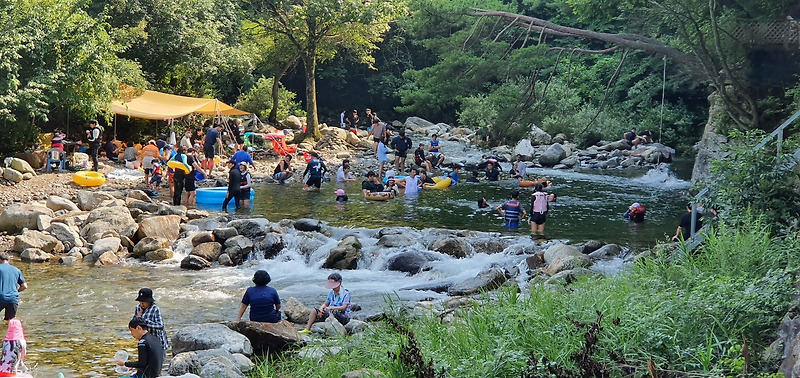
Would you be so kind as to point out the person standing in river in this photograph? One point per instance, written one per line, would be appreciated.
(151, 354)
(151, 315)
(234, 186)
(512, 211)
(11, 284)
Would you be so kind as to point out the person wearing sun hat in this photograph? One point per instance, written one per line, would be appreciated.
(151, 315)
(337, 304)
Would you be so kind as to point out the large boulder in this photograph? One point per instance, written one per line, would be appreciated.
(164, 226)
(89, 200)
(220, 367)
(560, 257)
(149, 244)
(268, 337)
(654, 153)
(251, 228)
(210, 336)
(456, 247)
(37, 240)
(159, 254)
(270, 245)
(21, 166)
(35, 255)
(525, 149)
(57, 203)
(408, 262)
(12, 175)
(621, 144)
(788, 346)
(222, 233)
(147, 207)
(608, 250)
(117, 219)
(202, 237)
(238, 248)
(107, 259)
(110, 244)
(554, 154)
(295, 311)
(345, 255)
(488, 279)
(18, 216)
(193, 262)
(539, 136)
(395, 240)
(182, 364)
(209, 251)
(416, 124)
(292, 122)
(66, 234)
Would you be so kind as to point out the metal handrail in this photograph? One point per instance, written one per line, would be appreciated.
(695, 240)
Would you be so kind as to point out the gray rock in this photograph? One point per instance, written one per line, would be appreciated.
(535, 261)
(193, 262)
(110, 244)
(437, 287)
(488, 279)
(21, 166)
(208, 251)
(251, 228)
(318, 353)
(12, 175)
(591, 246)
(561, 257)
(117, 219)
(220, 234)
(184, 363)
(270, 245)
(57, 203)
(165, 209)
(654, 153)
(66, 260)
(456, 247)
(238, 248)
(395, 240)
(220, 367)
(107, 259)
(569, 161)
(224, 259)
(621, 144)
(306, 224)
(269, 337)
(244, 363)
(540, 136)
(345, 255)
(295, 311)
(566, 277)
(149, 244)
(147, 207)
(35, 255)
(37, 240)
(139, 195)
(210, 336)
(525, 149)
(355, 326)
(89, 200)
(18, 216)
(489, 245)
(554, 154)
(205, 224)
(196, 214)
(202, 237)
(409, 262)
(332, 327)
(608, 250)
(67, 235)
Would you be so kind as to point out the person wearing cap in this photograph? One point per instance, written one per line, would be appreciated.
(186, 140)
(401, 144)
(151, 354)
(337, 304)
(391, 186)
(420, 159)
(434, 145)
(234, 186)
(371, 184)
(635, 213)
(95, 137)
(11, 284)
(151, 315)
(15, 348)
(264, 302)
(212, 136)
(341, 196)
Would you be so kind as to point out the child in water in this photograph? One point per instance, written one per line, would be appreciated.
(341, 196)
(14, 348)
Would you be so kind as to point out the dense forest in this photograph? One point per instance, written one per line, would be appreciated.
(591, 69)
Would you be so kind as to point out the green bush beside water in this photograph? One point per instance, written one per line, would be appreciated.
(688, 313)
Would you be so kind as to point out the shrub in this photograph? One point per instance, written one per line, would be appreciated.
(258, 100)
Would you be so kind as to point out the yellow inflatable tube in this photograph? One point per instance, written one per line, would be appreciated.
(174, 164)
(89, 178)
(441, 183)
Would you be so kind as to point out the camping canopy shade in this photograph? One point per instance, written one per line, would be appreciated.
(162, 106)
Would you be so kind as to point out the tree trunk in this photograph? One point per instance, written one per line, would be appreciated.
(312, 120)
(280, 71)
(709, 148)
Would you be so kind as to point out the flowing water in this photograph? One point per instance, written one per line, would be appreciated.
(76, 316)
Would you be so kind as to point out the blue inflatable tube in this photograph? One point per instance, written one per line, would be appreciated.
(214, 196)
(396, 178)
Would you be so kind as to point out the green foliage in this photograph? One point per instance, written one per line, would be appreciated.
(687, 314)
(762, 181)
(259, 100)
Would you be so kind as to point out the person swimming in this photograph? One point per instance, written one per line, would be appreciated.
(341, 196)
(482, 204)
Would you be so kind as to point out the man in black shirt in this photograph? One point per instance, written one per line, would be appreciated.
(234, 188)
(492, 173)
(371, 184)
(151, 353)
(683, 232)
(401, 145)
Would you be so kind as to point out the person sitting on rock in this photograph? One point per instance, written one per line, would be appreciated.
(630, 136)
(644, 137)
(283, 171)
(337, 304)
(264, 302)
(519, 170)
(420, 159)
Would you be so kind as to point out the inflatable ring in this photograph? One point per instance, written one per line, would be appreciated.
(174, 164)
(379, 196)
(526, 183)
(441, 183)
(89, 178)
(5, 374)
(214, 196)
(396, 178)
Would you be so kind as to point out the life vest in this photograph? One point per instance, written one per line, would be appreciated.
(637, 214)
(539, 204)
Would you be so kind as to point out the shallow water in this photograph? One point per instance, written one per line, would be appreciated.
(75, 316)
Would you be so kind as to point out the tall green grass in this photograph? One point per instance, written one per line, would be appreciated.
(688, 314)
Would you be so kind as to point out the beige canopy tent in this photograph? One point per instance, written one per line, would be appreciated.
(163, 106)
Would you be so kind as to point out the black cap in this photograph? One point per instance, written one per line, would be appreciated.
(92, 121)
(145, 295)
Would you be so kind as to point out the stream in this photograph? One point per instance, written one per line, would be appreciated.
(75, 317)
